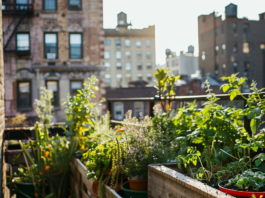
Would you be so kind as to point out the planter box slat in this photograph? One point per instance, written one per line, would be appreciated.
(166, 182)
(83, 186)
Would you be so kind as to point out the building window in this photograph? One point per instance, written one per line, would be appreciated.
(245, 47)
(128, 54)
(23, 43)
(53, 86)
(235, 48)
(139, 66)
(107, 55)
(118, 55)
(50, 46)
(148, 43)
(246, 69)
(148, 55)
(107, 42)
(216, 70)
(75, 46)
(118, 43)
(223, 29)
(138, 109)
(138, 43)
(245, 29)
(224, 68)
(128, 77)
(140, 76)
(202, 37)
(107, 80)
(49, 5)
(262, 46)
(128, 66)
(216, 50)
(118, 111)
(24, 94)
(223, 49)
(107, 66)
(234, 26)
(139, 55)
(118, 65)
(74, 5)
(203, 55)
(75, 85)
(127, 43)
(235, 65)
(119, 78)
(149, 65)
(149, 77)
(216, 31)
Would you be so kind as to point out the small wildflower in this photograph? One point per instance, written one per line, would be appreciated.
(39, 180)
(84, 150)
(47, 167)
(46, 153)
(41, 173)
(49, 147)
(36, 195)
(50, 159)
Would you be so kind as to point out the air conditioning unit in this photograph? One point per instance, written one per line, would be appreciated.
(51, 55)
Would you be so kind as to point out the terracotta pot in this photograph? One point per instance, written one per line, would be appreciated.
(95, 187)
(138, 185)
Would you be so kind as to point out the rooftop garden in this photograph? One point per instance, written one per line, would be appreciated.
(209, 144)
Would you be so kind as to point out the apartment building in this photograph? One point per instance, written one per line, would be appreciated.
(56, 44)
(184, 64)
(129, 54)
(232, 45)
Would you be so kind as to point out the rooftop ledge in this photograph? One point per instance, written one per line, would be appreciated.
(68, 68)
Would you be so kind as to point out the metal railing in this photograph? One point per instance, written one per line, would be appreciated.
(182, 99)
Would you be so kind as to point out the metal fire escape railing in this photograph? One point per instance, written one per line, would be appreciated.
(15, 10)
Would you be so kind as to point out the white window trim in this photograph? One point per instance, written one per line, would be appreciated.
(142, 110)
(116, 117)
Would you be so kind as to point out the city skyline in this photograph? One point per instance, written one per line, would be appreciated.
(174, 30)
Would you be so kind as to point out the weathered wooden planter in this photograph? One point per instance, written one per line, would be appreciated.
(81, 186)
(167, 182)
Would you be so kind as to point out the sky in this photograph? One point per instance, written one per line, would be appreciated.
(175, 20)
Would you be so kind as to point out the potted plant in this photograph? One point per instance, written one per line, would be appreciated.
(142, 147)
(245, 185)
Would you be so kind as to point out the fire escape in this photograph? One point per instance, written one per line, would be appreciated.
(15, 11)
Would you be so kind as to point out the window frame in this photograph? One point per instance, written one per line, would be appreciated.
(58, 90)
(148, 55)
(122, 110)
(73, 80)
(118, 67)
(142, 109)
(107, 42)
(125, 43)
(139, 42)
(18, 94)
(80, 33)
(118, 52)
(17, 42)
(57, 54)
(148, 46)
(81, 6)
(109, 55)
(56, 6)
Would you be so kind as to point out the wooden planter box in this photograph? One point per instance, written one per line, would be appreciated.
(81, 186)
(167, 182)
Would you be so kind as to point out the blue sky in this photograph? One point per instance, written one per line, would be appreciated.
(175, 20)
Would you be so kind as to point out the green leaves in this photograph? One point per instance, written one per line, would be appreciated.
(233, 93)
(225, 87)
(254, 125)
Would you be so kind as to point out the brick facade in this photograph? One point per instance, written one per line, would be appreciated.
(35, 66)
(213, 32)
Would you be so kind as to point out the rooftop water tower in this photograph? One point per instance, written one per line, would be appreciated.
(231, 10)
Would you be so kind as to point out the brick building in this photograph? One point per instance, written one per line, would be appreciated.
(129, 54)
(233, 45)
(52, 43)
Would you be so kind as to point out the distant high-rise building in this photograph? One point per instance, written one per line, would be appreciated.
(129, 54)
(232, 45)
(184, 64)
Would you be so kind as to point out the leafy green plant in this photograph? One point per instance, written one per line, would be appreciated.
(222, 175)
(248, 181)
(81, 111)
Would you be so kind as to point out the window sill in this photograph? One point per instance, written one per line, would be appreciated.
(74, 11)
(49, 11)
(25, 109)
(51, 60)
(76, 60)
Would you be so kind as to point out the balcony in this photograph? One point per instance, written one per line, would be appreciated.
(10, 7)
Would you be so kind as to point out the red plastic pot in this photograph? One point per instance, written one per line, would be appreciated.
(238, 193)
